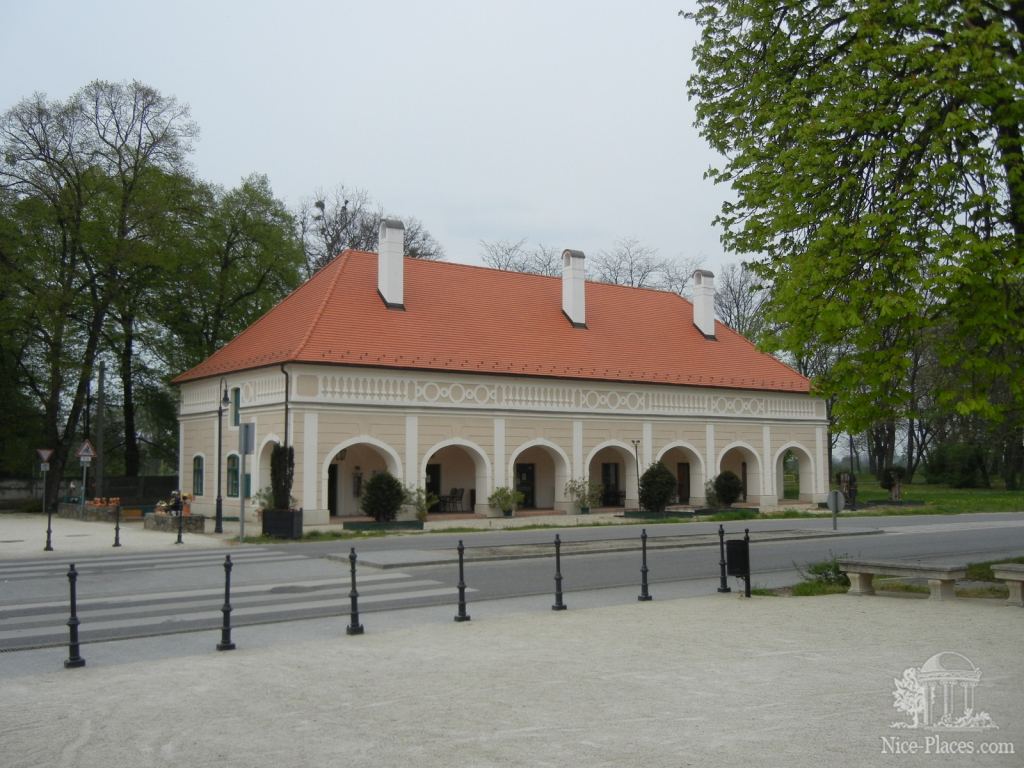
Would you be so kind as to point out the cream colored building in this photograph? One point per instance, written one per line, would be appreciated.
(457, 377)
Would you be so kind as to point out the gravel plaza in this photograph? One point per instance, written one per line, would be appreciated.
(707, 681)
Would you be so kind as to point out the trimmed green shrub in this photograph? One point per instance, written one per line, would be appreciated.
(957, 464)
(382, 497)
(728, 488)
(657, 488)
(282, 472)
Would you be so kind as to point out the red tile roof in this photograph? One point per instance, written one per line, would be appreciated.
(470, 319)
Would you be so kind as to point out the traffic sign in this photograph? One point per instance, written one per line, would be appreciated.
(86, 451)
(44, 466)
(44, 454)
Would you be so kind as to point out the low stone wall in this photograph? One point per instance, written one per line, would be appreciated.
(89, 512)
(190, 523)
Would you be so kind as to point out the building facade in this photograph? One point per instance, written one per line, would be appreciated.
(457, 377)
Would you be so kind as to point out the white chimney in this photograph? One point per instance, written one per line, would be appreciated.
(704, 302)
(390, 263)
(573, 290)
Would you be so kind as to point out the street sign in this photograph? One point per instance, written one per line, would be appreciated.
(44, 466)
(835, 501)
(85, 460)
(247, 438)
(44, 454)
(86, 451)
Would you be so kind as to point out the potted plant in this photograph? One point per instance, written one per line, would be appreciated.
(657, 488)
(382, 497)
(585, 494)
(281, 519)
(505, 499)
(728, 488)
(421, 500)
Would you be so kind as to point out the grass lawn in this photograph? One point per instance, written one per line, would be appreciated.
(941, 499)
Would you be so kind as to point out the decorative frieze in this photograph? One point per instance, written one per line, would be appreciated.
(352, 387)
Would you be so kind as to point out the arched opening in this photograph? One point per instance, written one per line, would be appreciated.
(614, 467)
(741, 460)
(794, 474)
(688, 470)
(261, 470)
(459, 474)
(540, 472)
(347, 471)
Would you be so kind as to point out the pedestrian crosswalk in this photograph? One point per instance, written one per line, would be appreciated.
(15, 570)
(40, 624)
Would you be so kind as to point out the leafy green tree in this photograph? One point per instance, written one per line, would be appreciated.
(237, 255)
(657, 488)
(875, 154)
(73, 173)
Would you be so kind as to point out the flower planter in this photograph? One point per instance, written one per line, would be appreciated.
(282, 523)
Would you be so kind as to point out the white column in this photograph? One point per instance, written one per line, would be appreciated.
(412, 452)
(500, 479)
(310, 439)
(646, 447)
(578, 470)
(821, 459)
(768, 478)
(181, 454)
(709, 439)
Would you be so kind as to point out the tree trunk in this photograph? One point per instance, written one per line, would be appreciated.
(131, 441)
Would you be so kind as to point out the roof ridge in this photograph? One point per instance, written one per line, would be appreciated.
(342, 259)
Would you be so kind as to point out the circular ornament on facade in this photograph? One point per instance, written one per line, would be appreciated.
(457, 393)
(481, 393)
(633, 401)
(247, 392)
(431, 392)
(613, 404)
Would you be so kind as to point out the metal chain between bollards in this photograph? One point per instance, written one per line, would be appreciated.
(644, 595)
(74, 659)
(724, 583)
(559, 605)
(462, 615)
(225, 643)
(354, 627)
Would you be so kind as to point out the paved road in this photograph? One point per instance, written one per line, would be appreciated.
(157, 593)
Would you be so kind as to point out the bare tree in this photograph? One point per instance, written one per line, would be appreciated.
(347, 218)
(629, 263)
(677, 274)
(739, 301)
(515, 256)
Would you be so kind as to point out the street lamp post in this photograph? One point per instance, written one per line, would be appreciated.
(636, 454)
(224, 403)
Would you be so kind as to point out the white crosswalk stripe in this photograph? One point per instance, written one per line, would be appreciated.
(44, 623)
(36, 568)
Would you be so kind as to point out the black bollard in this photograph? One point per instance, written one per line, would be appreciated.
(559, 605)
(746, 580)
(117, 526)
(49, 530)
(354, 627)
(73, 660)
(644, 595)
(723, 585)
(462, 615)
(181, 522)
(225, 643)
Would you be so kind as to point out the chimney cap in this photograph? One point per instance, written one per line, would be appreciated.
(392, 223)
(703, 273)
(573, 254)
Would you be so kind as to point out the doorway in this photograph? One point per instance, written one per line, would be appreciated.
(526, 484)
(332, 489)
(683, 482)
(434, 485)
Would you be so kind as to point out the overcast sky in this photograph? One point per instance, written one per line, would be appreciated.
(565, 123)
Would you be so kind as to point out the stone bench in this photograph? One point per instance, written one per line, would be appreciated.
(941, 578)
(1013, 575)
